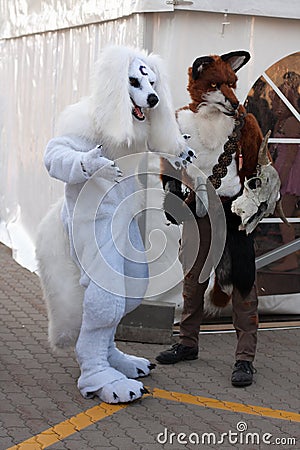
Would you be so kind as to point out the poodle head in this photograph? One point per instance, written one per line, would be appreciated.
(129, 102)
(141, 88)
(125, 87)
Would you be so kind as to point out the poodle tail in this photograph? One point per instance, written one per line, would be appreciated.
(59, 277)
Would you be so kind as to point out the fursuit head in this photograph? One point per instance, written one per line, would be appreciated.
(128, 111)
(216, 122)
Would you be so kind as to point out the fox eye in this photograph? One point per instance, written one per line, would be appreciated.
(134, 82)
(213, 85)
(230, 84)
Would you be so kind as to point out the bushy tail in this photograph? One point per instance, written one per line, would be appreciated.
(235, 269)
(215, 298)
(59, 278)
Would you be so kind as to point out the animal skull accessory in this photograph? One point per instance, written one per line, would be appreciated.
(261, 194)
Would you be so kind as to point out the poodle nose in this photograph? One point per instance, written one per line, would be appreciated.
(152, 100)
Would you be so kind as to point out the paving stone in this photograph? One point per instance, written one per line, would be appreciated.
(38, 388)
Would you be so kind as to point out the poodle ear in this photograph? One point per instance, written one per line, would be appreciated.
(164, 135)
(111, 104)
(75, 119)
(236, 59)
(199, 65)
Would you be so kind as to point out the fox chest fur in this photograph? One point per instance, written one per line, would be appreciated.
(209, 131)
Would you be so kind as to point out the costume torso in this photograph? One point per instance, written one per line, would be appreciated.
(209, 132)
(93, 207)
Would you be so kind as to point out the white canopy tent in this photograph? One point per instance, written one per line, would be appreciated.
(47, 52)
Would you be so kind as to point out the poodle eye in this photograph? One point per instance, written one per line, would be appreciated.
(230, 84)
(213, 85)
(134, 82)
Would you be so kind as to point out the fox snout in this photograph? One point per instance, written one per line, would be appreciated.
(230, 96)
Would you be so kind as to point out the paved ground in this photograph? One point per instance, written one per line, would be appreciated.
(40, 406)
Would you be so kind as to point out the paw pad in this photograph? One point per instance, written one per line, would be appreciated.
(183, 160)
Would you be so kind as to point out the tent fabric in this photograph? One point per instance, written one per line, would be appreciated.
(47, 54)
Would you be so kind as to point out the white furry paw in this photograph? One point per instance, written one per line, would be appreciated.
(121, 391)
(185, 158)
(131, 366)
(92, 161)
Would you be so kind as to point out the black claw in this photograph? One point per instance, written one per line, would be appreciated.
(144, 391)
(115, 396)
(132, 394)
(140, 371)
(151, 366)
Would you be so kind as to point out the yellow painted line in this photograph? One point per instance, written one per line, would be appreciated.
(99, 412)
(68, 427)
(225, 405)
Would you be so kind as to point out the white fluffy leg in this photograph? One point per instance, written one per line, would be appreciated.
(97, 377)
(102, 312)
(131, 366)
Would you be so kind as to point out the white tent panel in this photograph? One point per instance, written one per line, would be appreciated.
(290, 9)
(24, 17)
(47, 52)
(185, 35)
(40, 75)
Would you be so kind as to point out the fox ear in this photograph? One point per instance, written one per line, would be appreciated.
(236, 59)
(199, 64)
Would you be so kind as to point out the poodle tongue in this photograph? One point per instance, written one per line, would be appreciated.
(138, 112)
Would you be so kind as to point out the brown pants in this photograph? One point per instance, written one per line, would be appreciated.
(245, 316)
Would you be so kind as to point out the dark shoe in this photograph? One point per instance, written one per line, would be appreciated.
(242, 374)
(178, 352)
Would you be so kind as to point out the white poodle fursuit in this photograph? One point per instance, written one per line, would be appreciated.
(91, 260)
